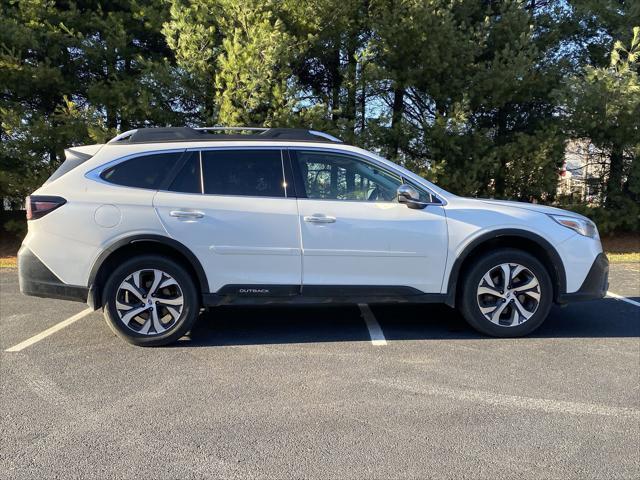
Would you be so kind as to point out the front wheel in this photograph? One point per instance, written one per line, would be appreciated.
(506, 293)
(150, 301)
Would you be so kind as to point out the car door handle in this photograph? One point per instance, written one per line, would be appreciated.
(186, 214)
(319, 218)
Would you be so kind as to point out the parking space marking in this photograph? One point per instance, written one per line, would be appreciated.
(375, 332)
(49, 331)
(624, 299)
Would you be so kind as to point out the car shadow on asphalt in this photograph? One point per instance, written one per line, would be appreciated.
(598, 318)
(273, 325)
(224, 326)
(606, 318)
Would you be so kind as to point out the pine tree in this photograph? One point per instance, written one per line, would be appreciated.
(470, 86)
(252, 78)
(603, 106)
(78, 73)
(602, 98)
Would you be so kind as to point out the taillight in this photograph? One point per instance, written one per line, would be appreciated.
(39, 205)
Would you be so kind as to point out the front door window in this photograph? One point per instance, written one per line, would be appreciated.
(332, 176)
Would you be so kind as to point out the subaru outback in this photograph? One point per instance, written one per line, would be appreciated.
(159, 223)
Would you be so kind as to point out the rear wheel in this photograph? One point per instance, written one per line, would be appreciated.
(150, 301)
(506, 293)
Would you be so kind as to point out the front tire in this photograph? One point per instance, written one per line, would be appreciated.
(150, 301)
(506, 293)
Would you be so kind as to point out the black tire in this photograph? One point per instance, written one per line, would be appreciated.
(190, 303)
(468, 302)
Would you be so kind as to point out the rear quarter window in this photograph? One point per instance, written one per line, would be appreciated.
(66, 167)
(146, 171)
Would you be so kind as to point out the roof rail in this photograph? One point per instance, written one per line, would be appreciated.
(232, 129)
(188, 134)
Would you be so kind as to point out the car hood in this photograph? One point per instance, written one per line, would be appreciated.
(532, 207)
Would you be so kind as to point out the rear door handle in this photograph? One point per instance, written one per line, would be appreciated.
(319, 218)
(186, 214)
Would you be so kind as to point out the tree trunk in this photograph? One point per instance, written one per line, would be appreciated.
(352, 87)
(112, 118)
(112, 113)
(125, 122)
(363, 100)
(630, 187)
(336, 83)
(500, 181)
(53, 159)
(614, 182)
(396, 119)
(501, 174)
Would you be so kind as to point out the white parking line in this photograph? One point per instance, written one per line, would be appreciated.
(624, 299)
(375, 332)
(49, 331)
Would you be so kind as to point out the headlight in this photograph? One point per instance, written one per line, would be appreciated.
(582, 226)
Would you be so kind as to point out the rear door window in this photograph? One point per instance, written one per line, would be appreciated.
(188, 179)
(146, 171)
(251, 173)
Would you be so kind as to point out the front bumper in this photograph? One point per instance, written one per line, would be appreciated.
(595, 284)
(38, 281)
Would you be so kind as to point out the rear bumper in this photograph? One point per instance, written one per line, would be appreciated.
(38, 281)
(595, 284)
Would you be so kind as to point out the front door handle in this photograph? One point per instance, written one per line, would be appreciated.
(186, 214)
(319, 218)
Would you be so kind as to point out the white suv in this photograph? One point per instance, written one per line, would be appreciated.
(160, 222)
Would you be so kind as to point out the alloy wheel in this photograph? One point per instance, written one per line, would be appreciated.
(149, 301)
(508, 294)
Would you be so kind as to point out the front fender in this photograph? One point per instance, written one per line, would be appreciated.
(553, 260)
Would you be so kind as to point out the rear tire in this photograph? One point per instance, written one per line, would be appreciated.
(150, 301)
(506, 293)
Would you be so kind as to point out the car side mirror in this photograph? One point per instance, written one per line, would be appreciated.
(410, 197)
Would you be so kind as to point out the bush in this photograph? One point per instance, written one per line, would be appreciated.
(16, 227)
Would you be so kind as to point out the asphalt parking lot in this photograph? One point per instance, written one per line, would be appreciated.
(323, 393)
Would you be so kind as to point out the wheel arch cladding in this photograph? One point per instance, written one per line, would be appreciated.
(509, 238)
(138, 245)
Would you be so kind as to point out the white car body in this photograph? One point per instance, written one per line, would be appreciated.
(258, 244)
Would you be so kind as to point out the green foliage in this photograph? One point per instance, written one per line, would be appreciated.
(192, 33)
(253, 69)
(482, 118)
(603, 104)
(76, 73)
(480, 97)
(16, 228)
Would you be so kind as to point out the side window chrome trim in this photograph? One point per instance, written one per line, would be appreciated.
(96, 173)
(201, 173)
(284, 175)
(366, 159)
